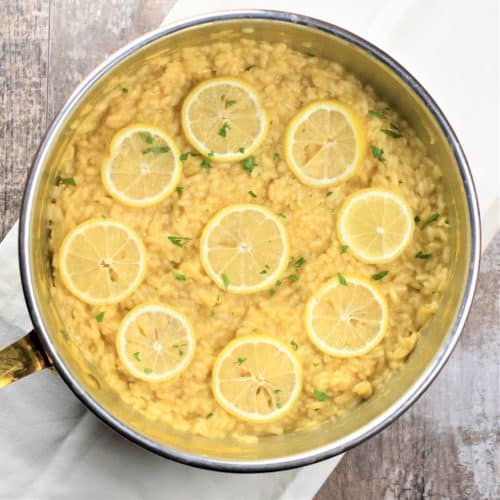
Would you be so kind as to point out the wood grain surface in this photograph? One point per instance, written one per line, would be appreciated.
(446, 445)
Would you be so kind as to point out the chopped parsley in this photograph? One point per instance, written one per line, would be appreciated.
(179, 190)
(205, 163)
(178, 276)
(252, 194)
(393, 126)
(272, 291)
(187, 154)
(249, 163)
(124, 90)
(277, 391)
(294, 345)
(281, 214)
(179, 241)
(321, 396)
(67, 181)
(146, 137)
(378, 153)
(241, 150)
(422, 255)
(223, 129)
(278, 282)
(156, 149)
(391, 133)
(377, 114)
(209, 415)
(211, 313)
(343, 249)
(378, 276)
(310, 54)
(299, 262)
(178, 348)
(293, 277)
(251, 66)
(100, 317)
(341, 279)
(225, 280)
(231, 102)
(241, 360)
(265, 270)
(433, 218)
(137, 356)
(417, 219)
(148, 371)
(276, 156)
(329, 194)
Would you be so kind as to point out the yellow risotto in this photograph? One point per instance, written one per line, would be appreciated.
(171, 227)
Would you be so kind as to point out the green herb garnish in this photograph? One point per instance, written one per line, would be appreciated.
(184, 156)
(223, 129)
(179, 190)
(378, 153)
(209, 415)
(393, 126)
(100, 317)
(67, 181)
(249, 163)
(205, 163)
(211, 313)
(277, 391)
(278, 282)
(378, 276)
(276, 156)
(124, 90)
(310, 54)
(252, 194)
(265, 270)
(343, 249)
(433, 218)
(178, 348)
(148, 371)
(391, 133)
(231, 102)
(156, 149)
(299, 262)
(251, 66)
(241, 150)
(377, 114)
(321, 396)
(341, 279)
(294, 345)
(178, 276)
(225, 280)
(146, 137)
(137, 356)
(329, 194)
(179, 241)
(422, 255)
(281, 214)
(417, 219)
(293, 277)
(272, 291)
(241, 360)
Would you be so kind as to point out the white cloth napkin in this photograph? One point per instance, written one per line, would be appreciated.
(51, 447)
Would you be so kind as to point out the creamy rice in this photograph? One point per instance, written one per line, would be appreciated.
(286, 80)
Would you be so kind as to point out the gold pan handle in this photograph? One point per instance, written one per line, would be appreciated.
(22, 358)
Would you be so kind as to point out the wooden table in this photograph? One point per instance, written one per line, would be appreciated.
(444, 446)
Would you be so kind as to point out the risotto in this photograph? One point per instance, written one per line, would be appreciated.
(286, 81)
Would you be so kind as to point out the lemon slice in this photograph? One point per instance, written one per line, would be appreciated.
(155, 342)
(325, 143)
(244, 248)
(256, 378)
(102, 261)
(223, 118)
(143, 166)
(377, 225)
(346, 317)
